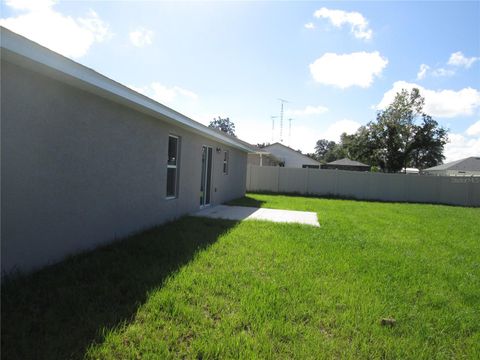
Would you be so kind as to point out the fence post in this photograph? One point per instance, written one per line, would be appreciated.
(305, 188)
(278, 178)
(335, 189)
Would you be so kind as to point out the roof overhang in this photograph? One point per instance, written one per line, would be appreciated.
(26, 53)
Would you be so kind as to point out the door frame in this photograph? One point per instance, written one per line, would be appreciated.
(204, 172)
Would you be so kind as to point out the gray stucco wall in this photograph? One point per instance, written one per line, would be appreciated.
(79, 170)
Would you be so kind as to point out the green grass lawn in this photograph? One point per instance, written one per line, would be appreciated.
(210, 289)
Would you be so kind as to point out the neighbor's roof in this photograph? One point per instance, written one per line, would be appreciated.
(292, 150)
(468, 164)
(347, 162)
(26, 53)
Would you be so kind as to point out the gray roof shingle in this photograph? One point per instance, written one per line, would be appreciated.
(468, 164)
(347, 162)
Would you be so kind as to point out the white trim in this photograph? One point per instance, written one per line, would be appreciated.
(27, 53)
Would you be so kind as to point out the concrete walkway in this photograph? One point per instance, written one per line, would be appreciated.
(251, 213)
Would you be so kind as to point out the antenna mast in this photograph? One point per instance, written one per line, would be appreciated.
(273, 127)
(282, 101)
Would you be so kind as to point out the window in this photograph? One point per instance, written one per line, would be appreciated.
(225, 162)
(172, 167)
(311, 166)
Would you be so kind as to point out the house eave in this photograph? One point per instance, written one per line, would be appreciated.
(26, 53)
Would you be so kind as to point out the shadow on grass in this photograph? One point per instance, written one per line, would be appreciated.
(58, 312)
(246, 201)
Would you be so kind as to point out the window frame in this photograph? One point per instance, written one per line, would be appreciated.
(171, 166)
(226, 161)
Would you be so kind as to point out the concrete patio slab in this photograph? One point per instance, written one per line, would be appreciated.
(251, 213)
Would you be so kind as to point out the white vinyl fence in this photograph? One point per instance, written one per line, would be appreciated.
(463, 191)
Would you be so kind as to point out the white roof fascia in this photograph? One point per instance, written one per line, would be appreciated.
(91, 80)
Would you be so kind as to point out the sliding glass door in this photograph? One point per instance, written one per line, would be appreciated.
(206, 180)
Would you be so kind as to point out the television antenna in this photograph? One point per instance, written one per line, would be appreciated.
(273, 127)
(282, 101)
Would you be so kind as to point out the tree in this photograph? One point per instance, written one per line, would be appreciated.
(262, 145)
(402, 136)
(224, 125)
(323, 148)
(397, 140)
(428, 144)
(328, 151)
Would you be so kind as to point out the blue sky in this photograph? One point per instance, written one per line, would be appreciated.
(336, 63)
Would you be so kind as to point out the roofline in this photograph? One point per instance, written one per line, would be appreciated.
(446, 166)
(358, 163)
(15, 47)
(295, 151)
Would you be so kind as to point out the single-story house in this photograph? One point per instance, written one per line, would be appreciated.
(86, 160)
(464, 167)
(290, 158)
(256, 156)
(260, 157)
(346, 164)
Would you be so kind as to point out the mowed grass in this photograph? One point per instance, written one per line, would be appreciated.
(210, 289)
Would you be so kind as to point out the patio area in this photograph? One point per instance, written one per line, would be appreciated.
(251, 213)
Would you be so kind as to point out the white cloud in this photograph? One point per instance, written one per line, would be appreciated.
(305, 138)
(461, 146)
(30, 4)
(355, 69)
(458, 59)
(63, 34)
(309, 25)
(307, 111)
(334, 131)
(358, 24)
(474, 129)
(438, 103)
(164, 94)
(443, 72)
(141, 37)
(422, 72)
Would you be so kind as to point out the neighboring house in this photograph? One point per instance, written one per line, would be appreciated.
(263, 158)
(346, 164)
(291, 158)
(464, 167)
(260, 157)
(256, 156)
(86, 160)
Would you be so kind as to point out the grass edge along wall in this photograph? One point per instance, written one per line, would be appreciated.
(463, 191)
(80, 169)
